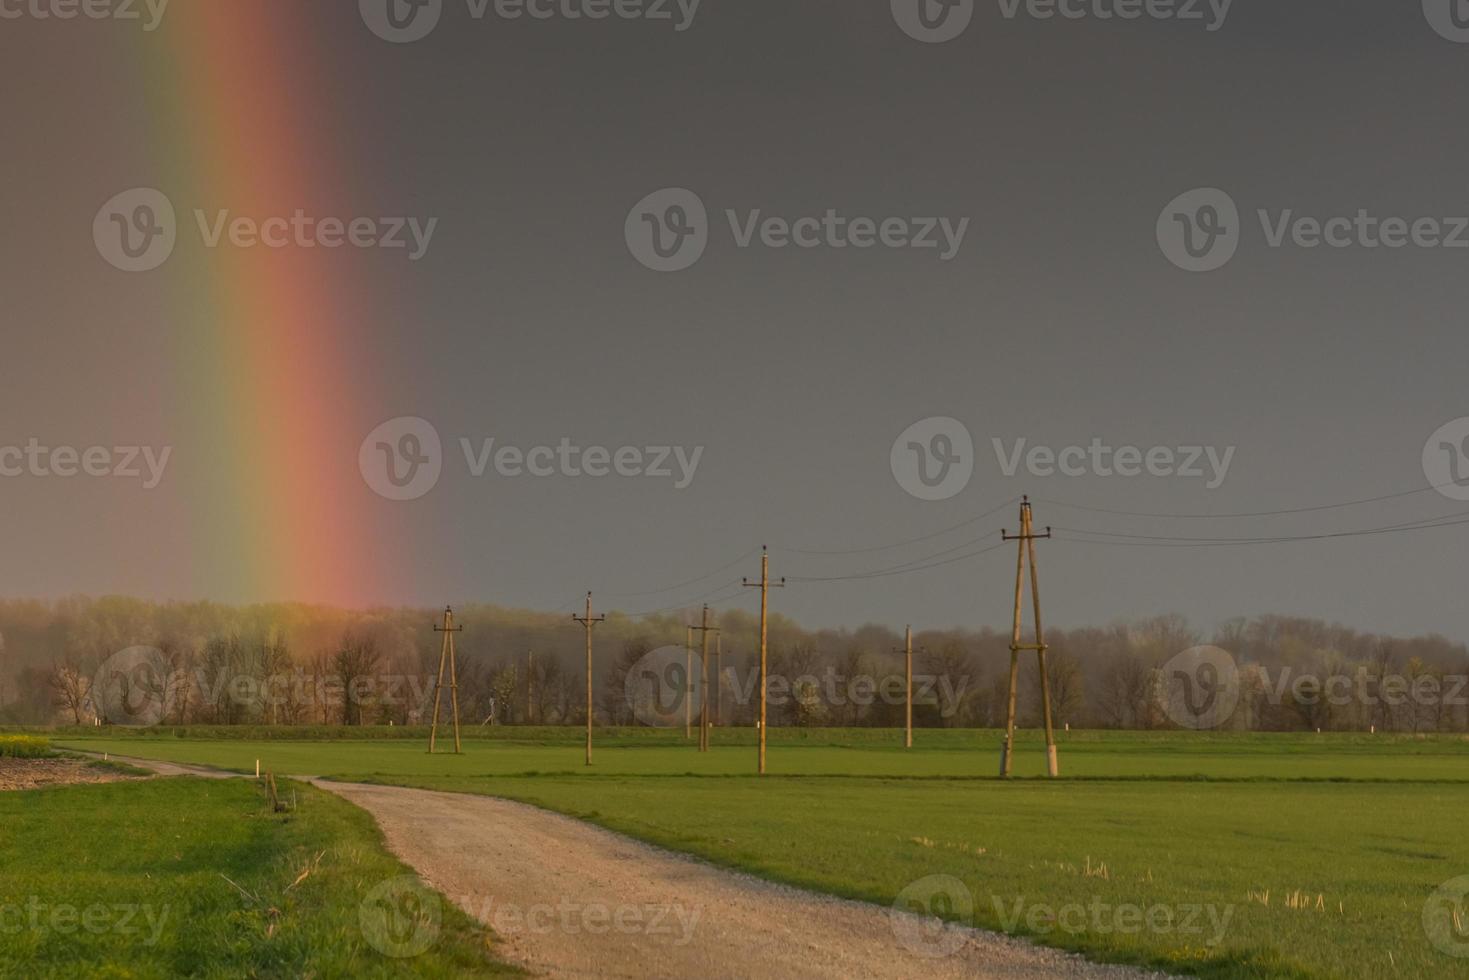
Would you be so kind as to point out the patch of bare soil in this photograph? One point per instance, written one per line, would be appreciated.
(34, 773)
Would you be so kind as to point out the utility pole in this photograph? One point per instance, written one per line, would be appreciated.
(530, 685)
(907, 652)
(588, 621)
(688, 682)
(446, 655)
(704, 630)
(1027, 539)
(764, 585)
(718, 676)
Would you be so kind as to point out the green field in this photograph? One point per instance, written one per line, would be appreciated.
(1219, 855)
(815, 752)
(194, 877)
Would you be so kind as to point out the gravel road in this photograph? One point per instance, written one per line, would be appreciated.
(573, 900)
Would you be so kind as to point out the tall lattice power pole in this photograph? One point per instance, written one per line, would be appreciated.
(588, 621)
(1027, 539)
(764, 585)
(704, 630)
(446, 656)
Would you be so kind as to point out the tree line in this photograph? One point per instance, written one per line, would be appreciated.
(290, 664)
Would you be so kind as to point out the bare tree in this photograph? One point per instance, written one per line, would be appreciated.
(69, 687)
(354, 665)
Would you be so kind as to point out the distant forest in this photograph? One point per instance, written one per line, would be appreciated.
(296, 664)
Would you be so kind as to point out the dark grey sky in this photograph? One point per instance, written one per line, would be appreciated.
(1059, 320)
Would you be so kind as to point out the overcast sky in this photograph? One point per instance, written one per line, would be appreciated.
(1058, 316)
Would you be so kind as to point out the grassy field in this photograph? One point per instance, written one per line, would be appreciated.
(191, 877)
(818, 752)
(1219, 855)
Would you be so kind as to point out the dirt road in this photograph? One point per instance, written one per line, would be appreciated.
(573, 900)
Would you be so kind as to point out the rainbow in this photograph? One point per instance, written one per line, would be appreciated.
(272, 372)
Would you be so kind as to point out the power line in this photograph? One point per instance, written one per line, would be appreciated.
(913, 566)
(1244, 514)
(706, 597)
(680, 585)
(1159, 540)
(900, 544)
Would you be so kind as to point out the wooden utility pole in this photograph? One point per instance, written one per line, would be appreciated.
(588, 621)
(907, 652)
(1027, 538)
(718, 676)
(704, 630)
(688, 682)
(530, 686)
(764, 585)
(446, 656)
